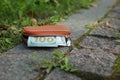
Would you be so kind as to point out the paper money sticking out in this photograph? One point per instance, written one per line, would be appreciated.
(61, 41)
(47, 41)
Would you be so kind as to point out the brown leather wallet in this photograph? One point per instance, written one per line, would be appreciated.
(47, 30)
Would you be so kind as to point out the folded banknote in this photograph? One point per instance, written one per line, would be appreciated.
(53, 41)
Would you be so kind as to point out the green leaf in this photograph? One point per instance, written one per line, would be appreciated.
(7, 40)
(58, 54)
(26, 22)
(15, 21)
(118, 40)
(44, 65)
(20, 13)
(67, 68)
(62, 67)
(72, 70)
(89, 26)
(66, 61)
(49, 69)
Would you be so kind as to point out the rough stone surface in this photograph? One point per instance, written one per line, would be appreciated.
(117, 8)
(113, 22)
(58, 74)
(105, 31)
(94, 61)
(114, 15)
(23, 49)
(115, 12)
(101, 43)
(16, 67)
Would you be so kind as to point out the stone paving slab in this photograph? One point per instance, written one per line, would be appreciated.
(117, 9)
(115, 12)
(114, 15)
(41, 51)
(17, 64)
(94, 61)
(113, 22)
(101, 43)
(104, 31)
(58, 74)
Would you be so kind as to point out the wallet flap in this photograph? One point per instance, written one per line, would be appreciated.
(48, 30)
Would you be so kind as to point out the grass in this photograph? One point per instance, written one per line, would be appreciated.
(58, 59)
(10, 37)
(16, 14)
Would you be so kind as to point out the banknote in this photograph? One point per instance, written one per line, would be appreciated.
(51, 41)
(61, 40)
(42, 42)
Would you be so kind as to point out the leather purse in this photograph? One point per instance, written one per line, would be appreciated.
(47, 30)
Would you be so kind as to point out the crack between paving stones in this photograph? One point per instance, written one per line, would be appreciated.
(114, 17)
(104, 37)
(84, 35)
(87, 75)
(91, 48)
